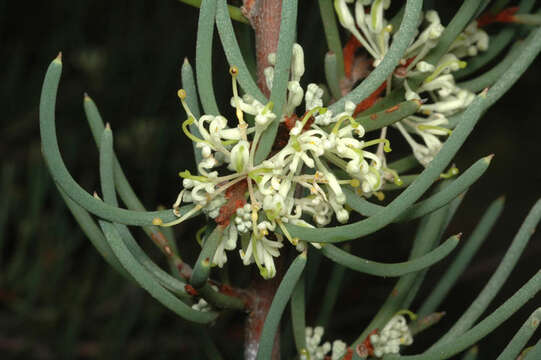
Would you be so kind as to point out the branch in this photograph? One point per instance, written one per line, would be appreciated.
(265, 17)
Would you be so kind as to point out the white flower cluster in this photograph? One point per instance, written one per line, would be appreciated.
(319, 352)
(369, 26)
(294, 185)
(389, 339)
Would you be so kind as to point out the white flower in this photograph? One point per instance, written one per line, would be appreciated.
(389, 339)
(317, 351)
(339, 349)
(243, 220)
(344, 16)
(274, 205)
(239, 156)
(252, 200)
(423, 153)
(228, 241)
(263, 254)
(297, 63)
(313, 97)
(313, 340)
(471, 41)
(268, 72)
(295, 94)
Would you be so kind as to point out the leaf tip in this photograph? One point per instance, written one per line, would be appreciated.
(488, 158)
(58, 58)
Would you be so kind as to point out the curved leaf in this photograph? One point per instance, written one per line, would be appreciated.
(390, 269)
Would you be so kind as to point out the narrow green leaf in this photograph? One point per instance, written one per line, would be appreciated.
(425, 322)
(109, 196)
(114, 239)
(447, 213)
(234, 12)
(188, 84)
(404, 164)
(427, 235)
(453, 208)
(331, 74)
(201, 270)
(526, 331)
(148, 282)
(332, 290)
(278, 305)
(93, 233)
(332, 34)
(233, 52)
(172, 284)
(534, 353)
(203, 57)
(125, 190)
(463, 258)
(61, 174)
(388, 116)
(406, 181)
(106, 167)
(312, 270)
(220, 300)
(390, 269)
(485, 327)
(298, 315)
(498, 6)
(497, 280)
(481, 9)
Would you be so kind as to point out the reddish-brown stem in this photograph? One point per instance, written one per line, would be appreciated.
(259, 302)
(264, 16)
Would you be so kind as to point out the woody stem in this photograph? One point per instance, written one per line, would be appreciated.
(265, 17)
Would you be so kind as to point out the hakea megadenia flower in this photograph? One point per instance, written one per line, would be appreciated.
(393, 335)
(317, 351)
(371, 31)
(294, 185)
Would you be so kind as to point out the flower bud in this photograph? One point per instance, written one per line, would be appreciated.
(239, 156)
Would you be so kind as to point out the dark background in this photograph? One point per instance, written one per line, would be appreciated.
(58, 299)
